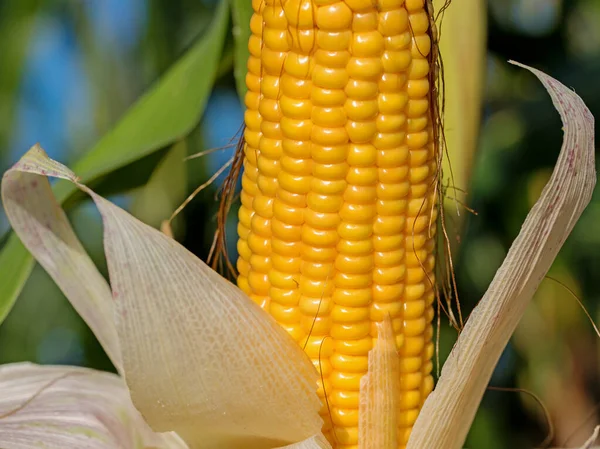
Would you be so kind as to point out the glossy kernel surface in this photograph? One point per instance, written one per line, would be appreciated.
(337, 223)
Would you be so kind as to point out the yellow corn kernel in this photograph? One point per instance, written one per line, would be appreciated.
(336, 228)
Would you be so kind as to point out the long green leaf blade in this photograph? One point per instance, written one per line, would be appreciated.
(166, 113)
(241, 12)
(15, 265)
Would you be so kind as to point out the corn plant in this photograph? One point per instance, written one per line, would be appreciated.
(326, 341)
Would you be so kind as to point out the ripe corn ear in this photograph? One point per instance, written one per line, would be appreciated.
(337, 223)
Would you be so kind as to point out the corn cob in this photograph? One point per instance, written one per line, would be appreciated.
(336, 227)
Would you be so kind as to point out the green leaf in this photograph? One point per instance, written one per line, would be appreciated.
(15, 265)
(17, 25)
(165, 114)
(165, 190)
(168, 112)
(463, 50)
(241, 12)
(124, 179)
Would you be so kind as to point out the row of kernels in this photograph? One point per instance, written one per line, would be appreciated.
(388, 275)
(420, 275)
(418, 18)
(328, 152)
(388, 293)
(300, 39)
(346, 437)
(315, 325)
(427, 385)
(393, 194)
(351, 337)
(318, 232)
(393, 187)
(391, 84)
(396, 60)
(417, 349)
(382, 310)
(268, 157)
(358, 344)
(419, 134)
(344, 381)
(317, 271)
(252, 133)
(274, 46)
(346, 418)
(252, 136)
(352, 281)
(421, 201)
(258, 6)
(391, 198)
(255, 41)
(299, 14)
(419, 248)
(250, 189)
(355, 248)
(367, 69)
(334, 16)
(416, 241)
(358, 220)
(365, 20)
(356, 259)
(351, 313)
(353, 296)
(295, 107)
(300, 86)
(285, 231)
(243, 265)
(272, 61)
(350, 361)
(332, 56)
(327, 97)
(355, 262)
(328, 117)
(388, 144)
(320, 306)
(316, 236)
(388, 5)
(398, 44)
(260, 224)
(344, 414)
(366, 44)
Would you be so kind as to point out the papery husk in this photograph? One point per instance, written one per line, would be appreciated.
(45, 231)
(199, 357)
(463, 40)
(380, 393)
(449, 411)
(315, 442)
(66, 407)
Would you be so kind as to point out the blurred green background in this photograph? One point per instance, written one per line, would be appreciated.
(70, 69)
